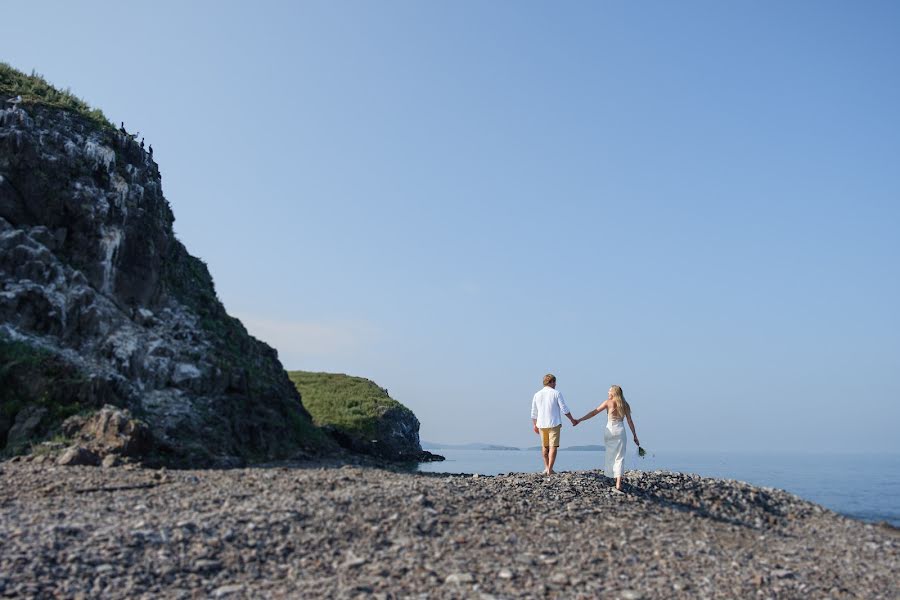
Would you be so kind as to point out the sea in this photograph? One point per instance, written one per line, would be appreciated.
(861, 486)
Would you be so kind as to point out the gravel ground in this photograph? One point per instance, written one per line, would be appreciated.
(313, 531)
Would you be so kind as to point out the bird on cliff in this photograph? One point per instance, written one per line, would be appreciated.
(14, 101)
(142, 143)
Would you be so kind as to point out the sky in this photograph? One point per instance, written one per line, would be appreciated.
(698, 201)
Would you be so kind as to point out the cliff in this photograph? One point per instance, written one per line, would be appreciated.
(100, 304)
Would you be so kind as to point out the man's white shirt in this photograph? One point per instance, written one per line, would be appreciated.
(547, 407)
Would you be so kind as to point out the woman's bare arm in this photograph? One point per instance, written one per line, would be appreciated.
(594, 412)
(633, 432)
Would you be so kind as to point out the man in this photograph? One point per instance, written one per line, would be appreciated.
(545, 410)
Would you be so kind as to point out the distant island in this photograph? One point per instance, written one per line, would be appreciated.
(469, 446)
(484, 446)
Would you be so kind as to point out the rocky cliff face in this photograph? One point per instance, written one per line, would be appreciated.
(394, 437)
(101, 304)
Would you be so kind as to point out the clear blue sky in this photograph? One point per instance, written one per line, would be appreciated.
(699, 201)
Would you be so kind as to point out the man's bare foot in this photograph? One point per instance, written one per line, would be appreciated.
(551, 472)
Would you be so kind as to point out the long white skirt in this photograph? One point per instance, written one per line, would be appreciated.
(614, 440)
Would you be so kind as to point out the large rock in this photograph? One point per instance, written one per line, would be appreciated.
(397, 434)
(111, 431)
(93, 280)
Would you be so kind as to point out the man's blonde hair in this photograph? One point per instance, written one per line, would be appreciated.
(549, 378)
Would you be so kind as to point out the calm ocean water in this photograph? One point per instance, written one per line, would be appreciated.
(865, 487)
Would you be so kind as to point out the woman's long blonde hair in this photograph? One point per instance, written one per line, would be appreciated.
(619, 407)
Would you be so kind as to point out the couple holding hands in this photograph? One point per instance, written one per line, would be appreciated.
(548, 405)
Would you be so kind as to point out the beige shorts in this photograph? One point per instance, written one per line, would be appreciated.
(550, 436)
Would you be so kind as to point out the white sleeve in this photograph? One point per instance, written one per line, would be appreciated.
(562, 405)
(534, 410)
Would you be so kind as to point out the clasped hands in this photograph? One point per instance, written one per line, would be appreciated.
(574, 423)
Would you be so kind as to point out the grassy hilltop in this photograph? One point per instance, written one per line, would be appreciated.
(349, 404)
(34, 89)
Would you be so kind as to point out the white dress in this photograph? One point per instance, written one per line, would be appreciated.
(614, 440)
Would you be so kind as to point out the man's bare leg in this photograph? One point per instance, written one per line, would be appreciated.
(551, 460)
(546, 456)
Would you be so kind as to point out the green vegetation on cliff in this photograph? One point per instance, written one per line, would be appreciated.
(34, 89)
(350, 404)
(35, 379)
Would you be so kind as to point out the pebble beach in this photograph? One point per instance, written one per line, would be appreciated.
(316, 530)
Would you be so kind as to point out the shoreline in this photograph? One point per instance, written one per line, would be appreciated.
(859, 488)
(322, 529)
(877, 521)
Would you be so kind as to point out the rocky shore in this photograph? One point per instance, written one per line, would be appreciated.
(347, 531)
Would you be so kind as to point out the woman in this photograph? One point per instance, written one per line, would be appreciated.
(614, 434)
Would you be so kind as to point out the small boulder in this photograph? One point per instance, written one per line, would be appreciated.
(78, 455)
(145, 317)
